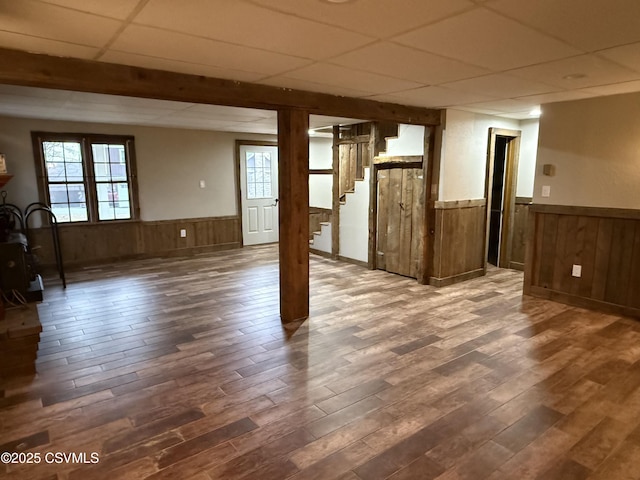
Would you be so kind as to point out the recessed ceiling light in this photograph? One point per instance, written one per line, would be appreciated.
(536, 112)
(574, 76)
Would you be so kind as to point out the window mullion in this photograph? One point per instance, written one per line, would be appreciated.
(90, 180)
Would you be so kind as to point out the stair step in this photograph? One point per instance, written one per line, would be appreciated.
(325, 223)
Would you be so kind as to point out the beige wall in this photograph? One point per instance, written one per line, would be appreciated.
(463, 159)
(171, 163)
(595, 146)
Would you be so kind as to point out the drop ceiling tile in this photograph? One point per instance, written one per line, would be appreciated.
(185, 48)
(506, 106)
(432, 97)
(320, 121)
(99, 98)
(592, 71)
(119, 9)
(146, 61)
(407, 63)
(284, 81)
(221, 111)
(563, 96)
(380, 18)
(34, 92)
(19, 41)
(29, 101)
(501, 85)
(337, 76)
(242, 23)
(486, 39)
(615, 89)
(587, 24)
(43, 20)
(627, 55)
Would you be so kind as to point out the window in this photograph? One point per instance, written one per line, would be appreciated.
(258, 175)
(87, 178)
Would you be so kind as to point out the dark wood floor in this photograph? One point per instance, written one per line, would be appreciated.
(176, 369)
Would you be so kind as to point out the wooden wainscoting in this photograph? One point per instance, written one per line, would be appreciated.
(459, 236)
(106, 242)
(604, 241)
(519, 239)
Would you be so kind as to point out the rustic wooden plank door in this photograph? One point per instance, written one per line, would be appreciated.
(399, 214)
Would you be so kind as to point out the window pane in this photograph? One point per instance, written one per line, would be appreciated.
(123, 210)
(101, 171)
(100, 152)
(61, 211)
(118, 171)
(58, 193)
(106, 211)
(122, 191)
(74, 172)
(78, 212)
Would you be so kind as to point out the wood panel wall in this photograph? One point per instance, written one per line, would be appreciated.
(519, 240)
(459, 236)
(605, 242)
(106, 242)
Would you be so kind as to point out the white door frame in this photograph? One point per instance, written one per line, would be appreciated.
(263, 206)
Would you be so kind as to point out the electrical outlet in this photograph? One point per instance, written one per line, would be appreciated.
(183, 232)
(576, 271)
(202, 184)
(546, 190)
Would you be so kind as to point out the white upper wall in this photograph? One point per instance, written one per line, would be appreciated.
(595, 146)
(527, 160)
(463, 156)
(410, 141)
(320, 153)
(171, 163)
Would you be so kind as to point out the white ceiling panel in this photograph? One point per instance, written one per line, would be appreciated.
(119, 9)
(433, 97)
(578, 72)
(587, 24)
(407, 63)
(341, 76)
(507, 106)
(311, 86)
(19, 41)
(178, 66)
(486, 39)
(627, 55)
(501, 85)
(48, 21)
(614, 89)
(379, 18)
(241, 23)
(563, 96)
(176, 46)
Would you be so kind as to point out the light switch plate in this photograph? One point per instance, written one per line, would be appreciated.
(546, 190)
(183, 232)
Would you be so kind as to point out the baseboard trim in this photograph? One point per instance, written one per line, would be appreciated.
(516, 266)
(582, 302)
(178, 252)
(353, 261)
(461, 277)
(320, 253)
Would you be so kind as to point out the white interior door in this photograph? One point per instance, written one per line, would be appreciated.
(259, 187)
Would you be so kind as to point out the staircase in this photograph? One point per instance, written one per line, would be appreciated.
(355, 156)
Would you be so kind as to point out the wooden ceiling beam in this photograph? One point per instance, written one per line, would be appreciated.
(45, 71)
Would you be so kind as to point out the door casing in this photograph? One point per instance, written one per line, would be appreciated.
(509, 192)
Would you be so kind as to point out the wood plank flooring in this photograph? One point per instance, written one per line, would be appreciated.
(180, 369)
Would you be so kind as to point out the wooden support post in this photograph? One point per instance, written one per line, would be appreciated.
(293, 164)
(431, 172)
